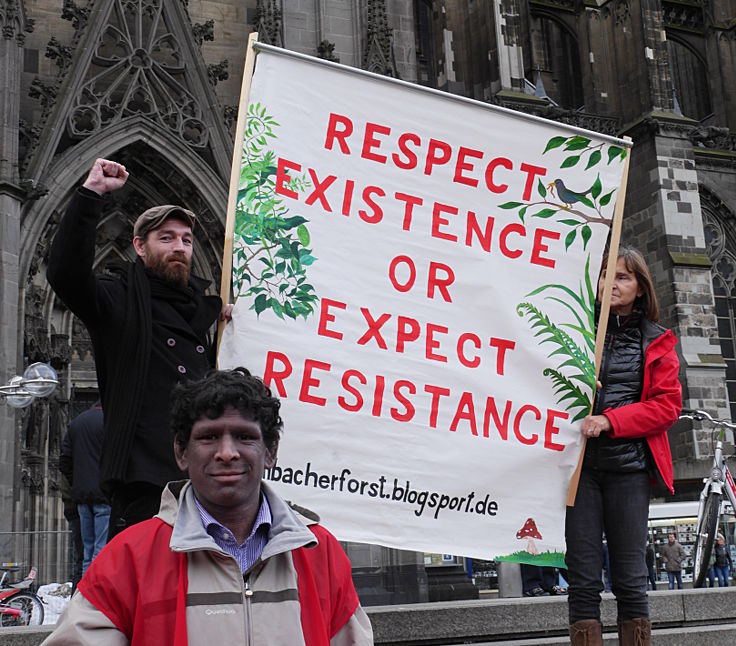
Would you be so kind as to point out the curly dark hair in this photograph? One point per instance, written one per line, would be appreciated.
(218, 390)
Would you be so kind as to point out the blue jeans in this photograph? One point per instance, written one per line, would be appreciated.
(722, 574)
(617, 503)
(652, 577)
(93, 521)
(675, 576)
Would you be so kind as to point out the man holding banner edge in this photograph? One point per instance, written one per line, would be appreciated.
(148, 321)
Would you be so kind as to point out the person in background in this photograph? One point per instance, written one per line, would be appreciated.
(79, 462)
(723, 563)
(76, 546)
(650, 560)
(639, 398)
(539, 581)
(606, 566)
(710, 574)
(673, 554)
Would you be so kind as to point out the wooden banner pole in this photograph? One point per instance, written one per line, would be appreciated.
(232, 198)
(618, 216)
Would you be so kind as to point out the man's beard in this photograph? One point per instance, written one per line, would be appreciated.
(165, 268)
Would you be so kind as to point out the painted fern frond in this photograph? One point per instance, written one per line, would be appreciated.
(566, 390)
(544, 329)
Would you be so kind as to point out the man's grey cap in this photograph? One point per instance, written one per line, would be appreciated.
(155, 216)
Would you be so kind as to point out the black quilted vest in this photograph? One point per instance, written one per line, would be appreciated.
(621, 375)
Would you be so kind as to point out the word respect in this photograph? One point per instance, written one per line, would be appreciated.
(410, 151)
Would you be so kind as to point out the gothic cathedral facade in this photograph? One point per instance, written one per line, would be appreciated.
(155, 85)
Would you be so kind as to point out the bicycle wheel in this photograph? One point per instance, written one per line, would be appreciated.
(705, 537)
(31, 610)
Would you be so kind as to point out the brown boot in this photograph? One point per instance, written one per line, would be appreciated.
(635, 632)
(586, 632)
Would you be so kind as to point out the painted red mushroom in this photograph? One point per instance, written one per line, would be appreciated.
(530, 532)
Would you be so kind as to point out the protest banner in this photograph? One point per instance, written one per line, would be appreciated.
(415, 276)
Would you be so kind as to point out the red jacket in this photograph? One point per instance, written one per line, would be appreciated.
(660, 405)
(164, 582)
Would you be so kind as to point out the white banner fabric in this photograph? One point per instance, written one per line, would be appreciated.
(415, 278)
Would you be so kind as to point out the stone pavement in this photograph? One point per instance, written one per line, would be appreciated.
(680, 618)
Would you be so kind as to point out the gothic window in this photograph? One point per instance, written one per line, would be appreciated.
(426, 72)
(690, 80)
(720, 238)
(555, 55)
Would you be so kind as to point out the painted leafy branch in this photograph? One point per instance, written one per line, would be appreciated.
(572, 206)
(577, 366)
(271, 248)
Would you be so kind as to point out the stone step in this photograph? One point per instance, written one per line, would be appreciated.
(674, 613)
(718, 635)
(680, 618)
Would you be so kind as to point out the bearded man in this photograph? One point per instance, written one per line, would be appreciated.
(149, 322)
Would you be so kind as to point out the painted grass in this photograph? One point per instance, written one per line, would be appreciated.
(550, 559)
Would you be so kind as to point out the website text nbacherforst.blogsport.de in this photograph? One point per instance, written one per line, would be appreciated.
(386, 488)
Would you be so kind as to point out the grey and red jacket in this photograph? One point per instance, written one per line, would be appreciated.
(166, 582)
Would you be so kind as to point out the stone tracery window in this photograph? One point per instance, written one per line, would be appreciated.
(690, 79)
(556, 55)
(720, 239)
(137, 68)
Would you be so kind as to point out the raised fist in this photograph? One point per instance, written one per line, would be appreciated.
(105, 176)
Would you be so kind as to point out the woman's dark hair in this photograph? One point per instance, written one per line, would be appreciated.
(218, 390)
(636, 264)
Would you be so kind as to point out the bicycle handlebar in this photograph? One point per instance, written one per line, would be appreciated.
(701, 415)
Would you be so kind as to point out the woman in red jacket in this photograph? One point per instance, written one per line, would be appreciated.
(639, 398)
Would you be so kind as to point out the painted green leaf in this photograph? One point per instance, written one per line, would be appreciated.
(545, 213)
(303, 234)
(577, 143)
(570, 161)
(595, 191)
(570, 238)
(585, 200)
(555, 142)
(522, 213)
(607, 198)
(541, 189)
(594, 158)
(585, 232)
(295, 221)
(261, 303)
(615, 151)
(289, 310)
(510, 205)
(569, 222)
(276, 307)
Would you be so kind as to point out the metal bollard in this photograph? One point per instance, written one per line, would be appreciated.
(509, 579)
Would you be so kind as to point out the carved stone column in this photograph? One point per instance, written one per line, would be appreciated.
(509, 39)
(13, 25)
(663, 218)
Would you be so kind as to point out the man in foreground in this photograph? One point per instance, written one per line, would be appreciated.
(148, 321)
(225, 560)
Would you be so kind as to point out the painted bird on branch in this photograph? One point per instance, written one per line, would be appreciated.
(568, 196)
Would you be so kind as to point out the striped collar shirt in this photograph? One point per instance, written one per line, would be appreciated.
(249, 552)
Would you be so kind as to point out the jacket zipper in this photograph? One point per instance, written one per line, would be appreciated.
(248, 593)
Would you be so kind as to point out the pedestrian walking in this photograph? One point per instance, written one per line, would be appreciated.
(673, 554)
(723, 563)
